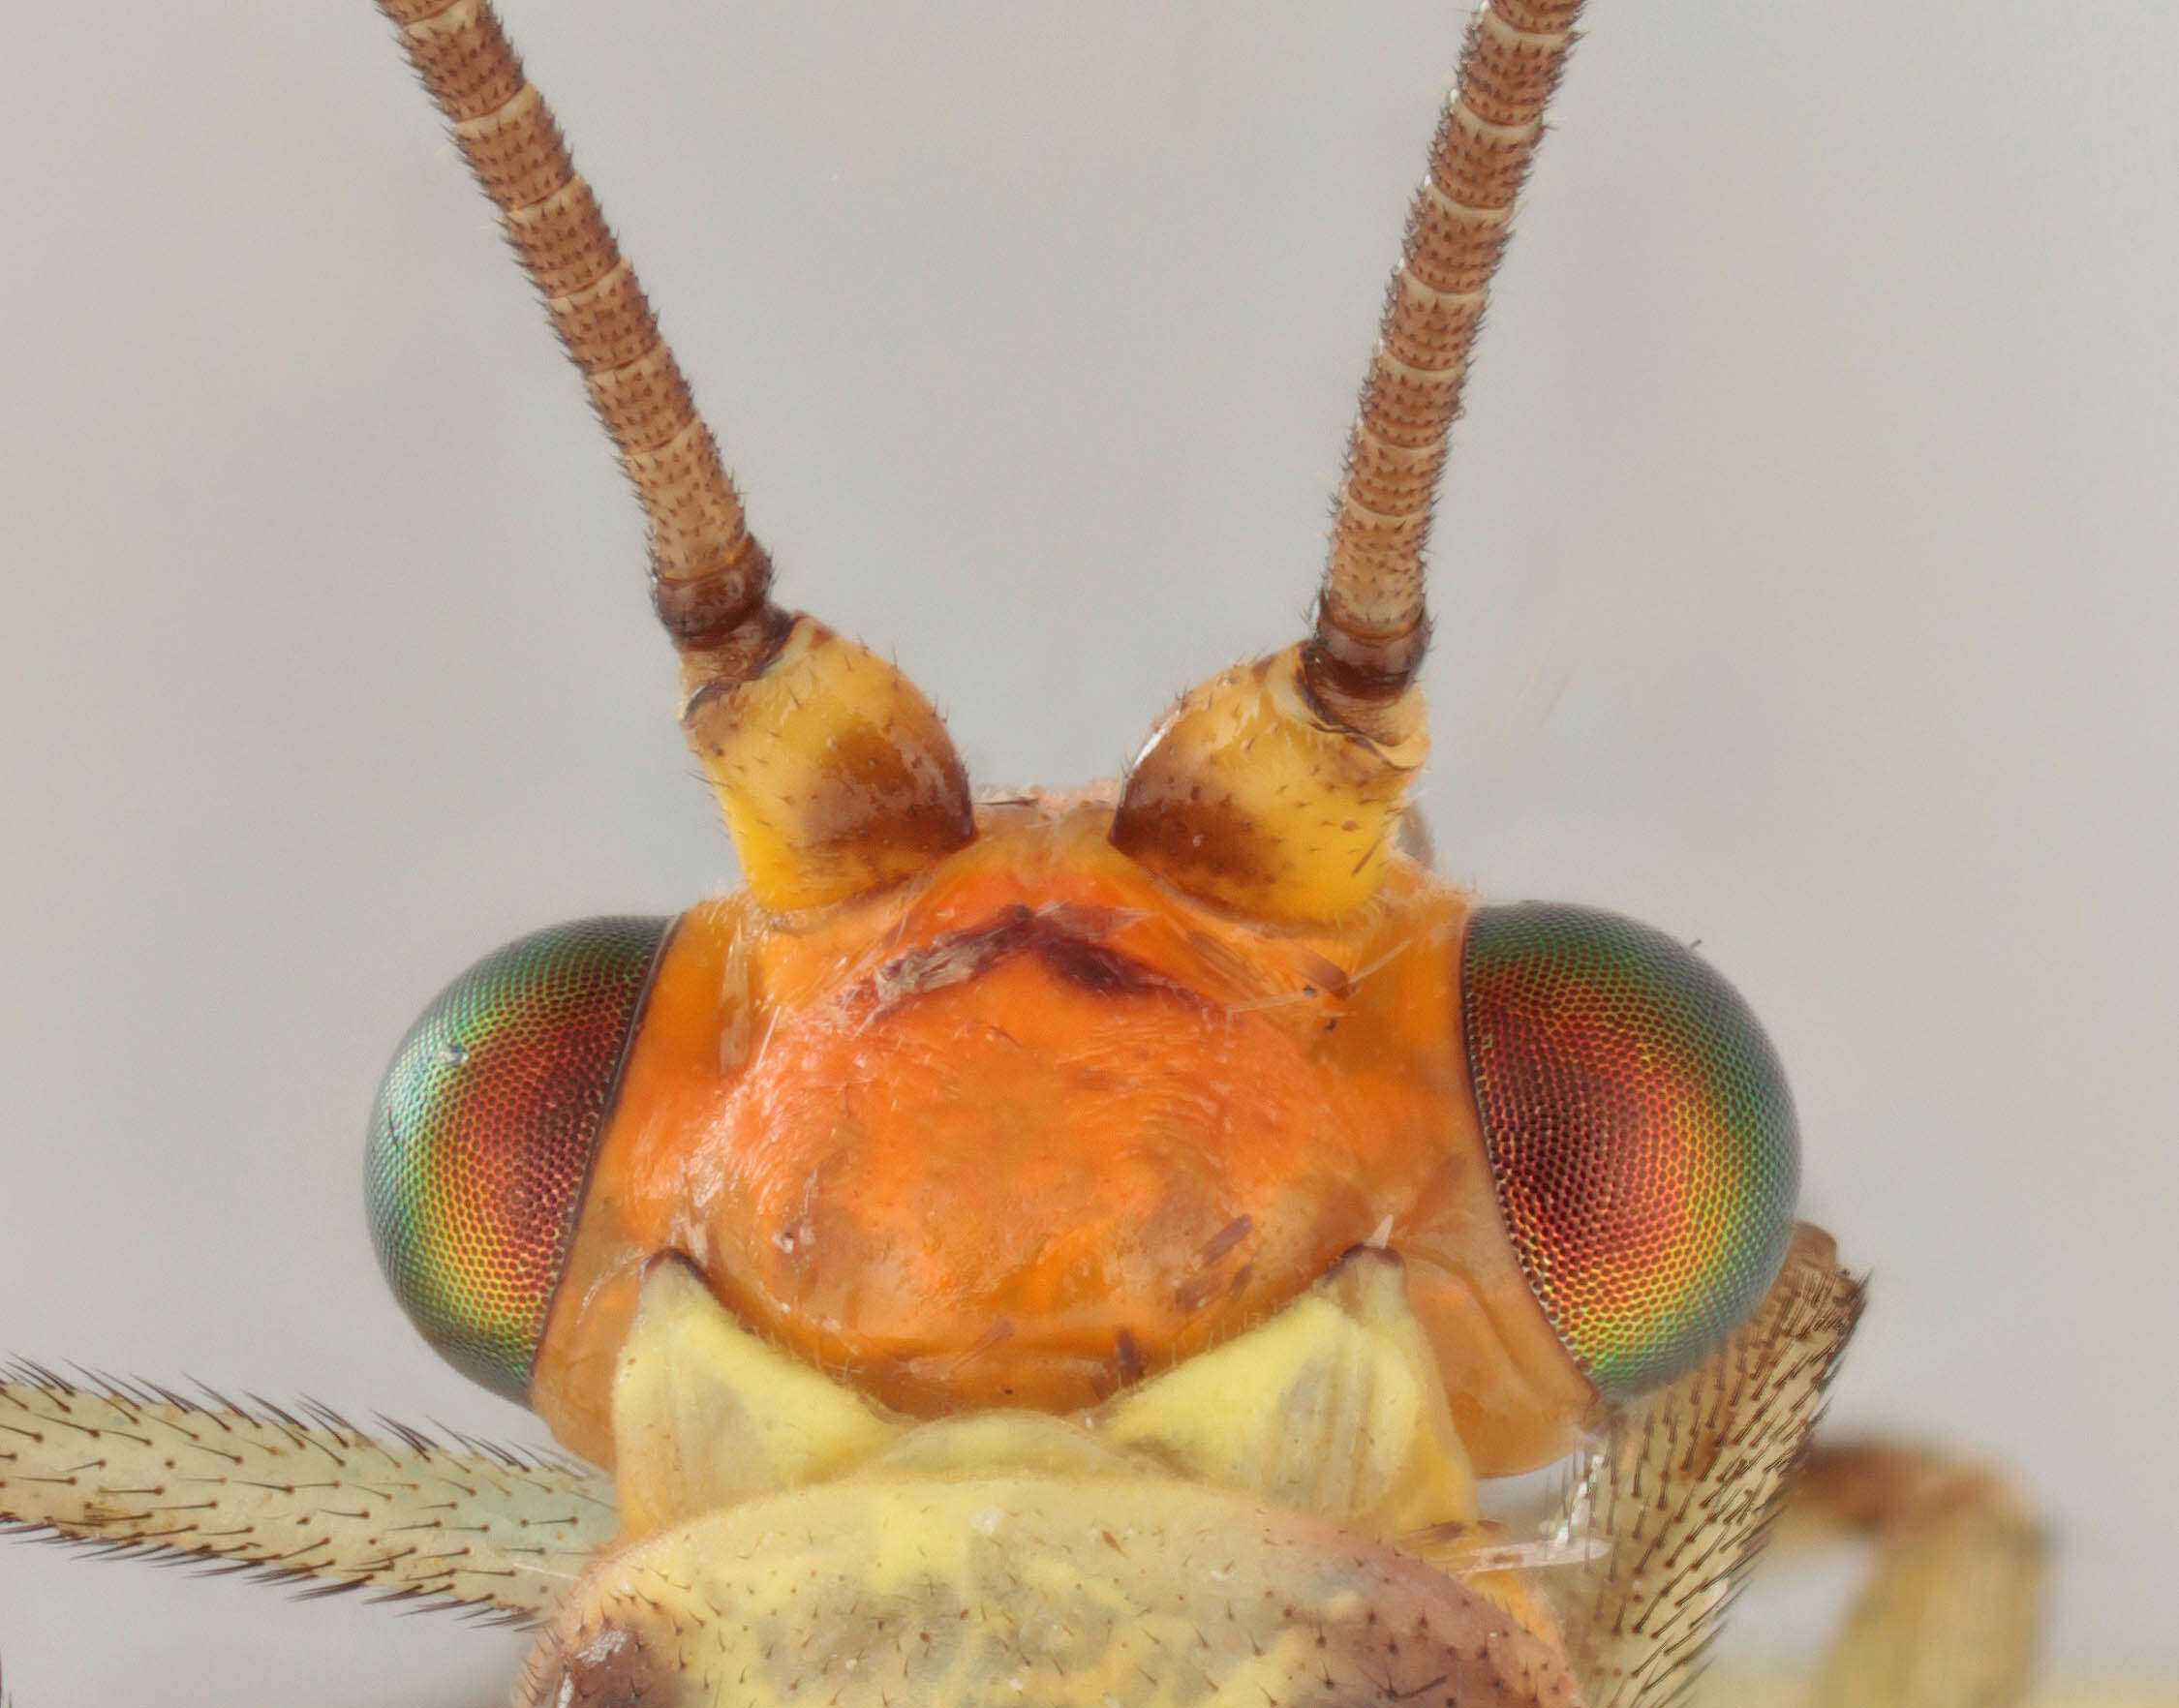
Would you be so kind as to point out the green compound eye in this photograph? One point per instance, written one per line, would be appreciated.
(482, 1135)
(1640, 1132)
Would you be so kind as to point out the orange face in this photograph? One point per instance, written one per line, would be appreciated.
(1013, 1105)
(1037, 1125)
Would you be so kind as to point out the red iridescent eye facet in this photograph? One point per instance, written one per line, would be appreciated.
(1640, 1132)
(483, 1131)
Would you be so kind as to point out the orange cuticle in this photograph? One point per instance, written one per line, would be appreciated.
(1031, 1127)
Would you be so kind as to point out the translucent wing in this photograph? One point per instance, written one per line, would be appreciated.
(130, 1471)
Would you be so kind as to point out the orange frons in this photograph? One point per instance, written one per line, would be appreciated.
(1037, 1126)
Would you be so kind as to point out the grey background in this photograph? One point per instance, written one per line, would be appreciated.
(1806, 589)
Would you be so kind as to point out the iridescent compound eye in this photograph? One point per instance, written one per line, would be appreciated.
(483, 1131)
(1639, 1129)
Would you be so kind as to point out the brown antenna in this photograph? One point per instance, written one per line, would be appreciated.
(1278, 787)
(710, 577)
(1372, 628)
(836, 776)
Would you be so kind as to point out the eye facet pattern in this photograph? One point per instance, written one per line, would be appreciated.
(1640, 1132)
(483, 1131)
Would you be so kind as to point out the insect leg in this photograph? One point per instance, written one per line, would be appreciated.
(1952, 1609)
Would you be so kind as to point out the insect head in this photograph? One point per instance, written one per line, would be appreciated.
(1014, 1104)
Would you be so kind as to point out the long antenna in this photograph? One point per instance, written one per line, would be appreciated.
(836, 776)
(1371, 627)
(1278, 788)
(711, 579)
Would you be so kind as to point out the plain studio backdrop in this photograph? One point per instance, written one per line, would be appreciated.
(1805, 588)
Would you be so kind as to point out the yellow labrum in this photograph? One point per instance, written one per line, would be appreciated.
(1248, 795)
(1226, 1533)
(1334, 1406)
